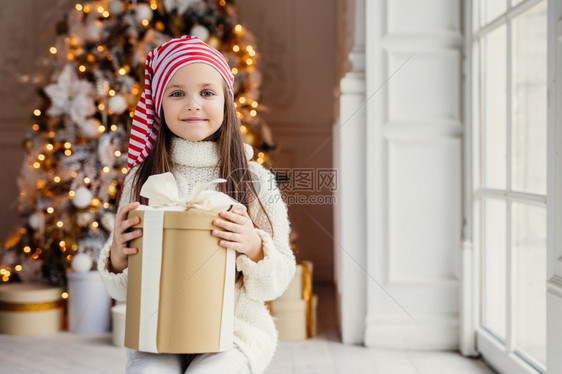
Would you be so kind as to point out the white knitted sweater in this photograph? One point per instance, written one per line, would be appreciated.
(254, 330)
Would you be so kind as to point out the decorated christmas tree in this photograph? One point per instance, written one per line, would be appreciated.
(76, 149)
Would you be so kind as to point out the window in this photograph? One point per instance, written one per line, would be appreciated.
(509, 55)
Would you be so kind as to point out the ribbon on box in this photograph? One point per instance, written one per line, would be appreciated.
(162, 193)
(307, 296)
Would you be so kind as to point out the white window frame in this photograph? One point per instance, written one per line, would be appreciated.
(500, 356)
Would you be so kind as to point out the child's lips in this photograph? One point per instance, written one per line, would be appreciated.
(193, 119)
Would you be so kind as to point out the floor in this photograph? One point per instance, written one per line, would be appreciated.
(70, 353)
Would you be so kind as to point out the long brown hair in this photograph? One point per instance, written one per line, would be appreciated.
(234, 166)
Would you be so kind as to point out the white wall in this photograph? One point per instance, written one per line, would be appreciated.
(297, 43)
(27, 27)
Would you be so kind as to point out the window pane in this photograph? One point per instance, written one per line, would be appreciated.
(493, 132)
(494, 266)
(529, 101)
(529, 255)
(491, 9)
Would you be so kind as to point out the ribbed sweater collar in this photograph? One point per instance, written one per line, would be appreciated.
(200, 154)
(195, 154)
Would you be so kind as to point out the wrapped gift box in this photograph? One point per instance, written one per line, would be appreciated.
(290, 319)
(293, 320)
(294, 290)
(30, 309)
(295, 309)
(180, 292)
(301, 284)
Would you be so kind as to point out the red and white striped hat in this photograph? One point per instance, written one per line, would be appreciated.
(160, 66)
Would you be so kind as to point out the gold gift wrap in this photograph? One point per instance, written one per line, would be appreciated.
(180, 291)
(295, 310)
(30, 309)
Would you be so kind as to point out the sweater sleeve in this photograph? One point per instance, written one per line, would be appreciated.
(116, 284)
(268, 278)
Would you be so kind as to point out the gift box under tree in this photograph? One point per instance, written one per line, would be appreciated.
(295, 310)
(30, 309)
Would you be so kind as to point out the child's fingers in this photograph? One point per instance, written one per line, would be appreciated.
(235, 217)
(227, 225)
(130, 251)
(127, 237)
(231, 245)
(230, 236)
(240, 210)
(124, 210)
(127, 224)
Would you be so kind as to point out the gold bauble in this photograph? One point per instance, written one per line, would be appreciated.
(159, 25)
(214, 42)
(112, 190)
(176, 24)
(250, 138)
(27, 144)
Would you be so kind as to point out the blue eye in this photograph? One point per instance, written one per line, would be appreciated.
(207, 93)
(176, 94)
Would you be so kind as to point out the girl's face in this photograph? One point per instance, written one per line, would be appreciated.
(193, 102)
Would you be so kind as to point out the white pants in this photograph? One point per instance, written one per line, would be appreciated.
(230, 361)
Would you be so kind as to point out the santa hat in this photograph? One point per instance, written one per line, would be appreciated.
(160, 66)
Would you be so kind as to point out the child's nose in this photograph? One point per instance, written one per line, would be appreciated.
(191, 103)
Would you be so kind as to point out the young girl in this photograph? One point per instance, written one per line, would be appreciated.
(186, 123)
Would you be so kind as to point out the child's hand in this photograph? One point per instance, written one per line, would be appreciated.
(119, 252)
(238, 233)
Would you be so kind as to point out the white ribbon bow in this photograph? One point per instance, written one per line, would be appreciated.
(162, 193)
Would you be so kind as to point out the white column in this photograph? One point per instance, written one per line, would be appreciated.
(469, 261)
(350, 210)
(554, 190)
